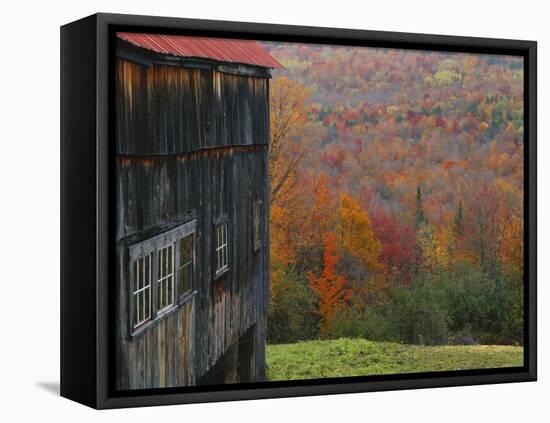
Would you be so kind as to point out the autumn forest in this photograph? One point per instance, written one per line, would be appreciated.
(396, 196)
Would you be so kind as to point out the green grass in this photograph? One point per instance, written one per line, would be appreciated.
(359, 357)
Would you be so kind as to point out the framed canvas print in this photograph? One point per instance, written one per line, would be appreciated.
(255, 211)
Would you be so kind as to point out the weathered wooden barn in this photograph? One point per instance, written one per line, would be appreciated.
(192, 201)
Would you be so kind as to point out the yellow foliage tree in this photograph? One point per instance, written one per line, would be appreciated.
(282, 251)
(356, 233)
(287, 119)
(437, 246)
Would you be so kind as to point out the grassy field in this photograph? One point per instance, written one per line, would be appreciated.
(359, 357)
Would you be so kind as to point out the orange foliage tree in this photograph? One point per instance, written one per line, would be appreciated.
(320, 215)
(330, 288)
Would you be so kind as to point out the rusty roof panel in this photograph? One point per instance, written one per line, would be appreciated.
(221, 49)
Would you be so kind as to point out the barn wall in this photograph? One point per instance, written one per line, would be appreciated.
(203, 156)
(167, 109)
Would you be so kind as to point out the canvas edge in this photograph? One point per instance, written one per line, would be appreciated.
(455, 43)
(78, 331)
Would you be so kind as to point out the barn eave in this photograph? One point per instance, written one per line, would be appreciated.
(142, 56)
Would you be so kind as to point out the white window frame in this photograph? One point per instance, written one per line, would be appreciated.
(221, 250)
(143, 310)
(165, 281)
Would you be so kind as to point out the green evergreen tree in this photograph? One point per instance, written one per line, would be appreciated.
(459, 220)
(419, 225)
(419, 212)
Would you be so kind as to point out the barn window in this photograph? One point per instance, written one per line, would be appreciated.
(221, 254)
(186, 247)
(257, 225)
(162, 274)
(141, 291)
(165, 283)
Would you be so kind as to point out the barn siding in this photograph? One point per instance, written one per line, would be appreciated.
(192, 144)
(170, 110)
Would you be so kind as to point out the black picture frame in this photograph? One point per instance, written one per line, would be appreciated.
(87, 215)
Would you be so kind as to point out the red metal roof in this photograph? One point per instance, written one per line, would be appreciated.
(220, 49)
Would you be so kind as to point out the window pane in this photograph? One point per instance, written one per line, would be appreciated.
(170, 291)
(147, 309)
(136, 276)
(164, 300)
(136, 310)
(159, 295)
(163, 264)
(221, 247)
(185, 282)
(159, 264)
(140, 307)
(185, 279)
(141, 290)
(141, 273)
(147, 271)
(165, 282)
(186, 250)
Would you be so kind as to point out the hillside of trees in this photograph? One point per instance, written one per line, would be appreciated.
(396, 196)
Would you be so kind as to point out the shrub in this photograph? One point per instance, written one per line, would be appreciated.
(462, 306)
(470, 300)
(417, 315)
(348, 323)
(292, 309)
(491, 310)
(513, 325)
(413, 315)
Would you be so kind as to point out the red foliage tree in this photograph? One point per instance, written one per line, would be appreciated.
(330, 288)
(397, 240)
